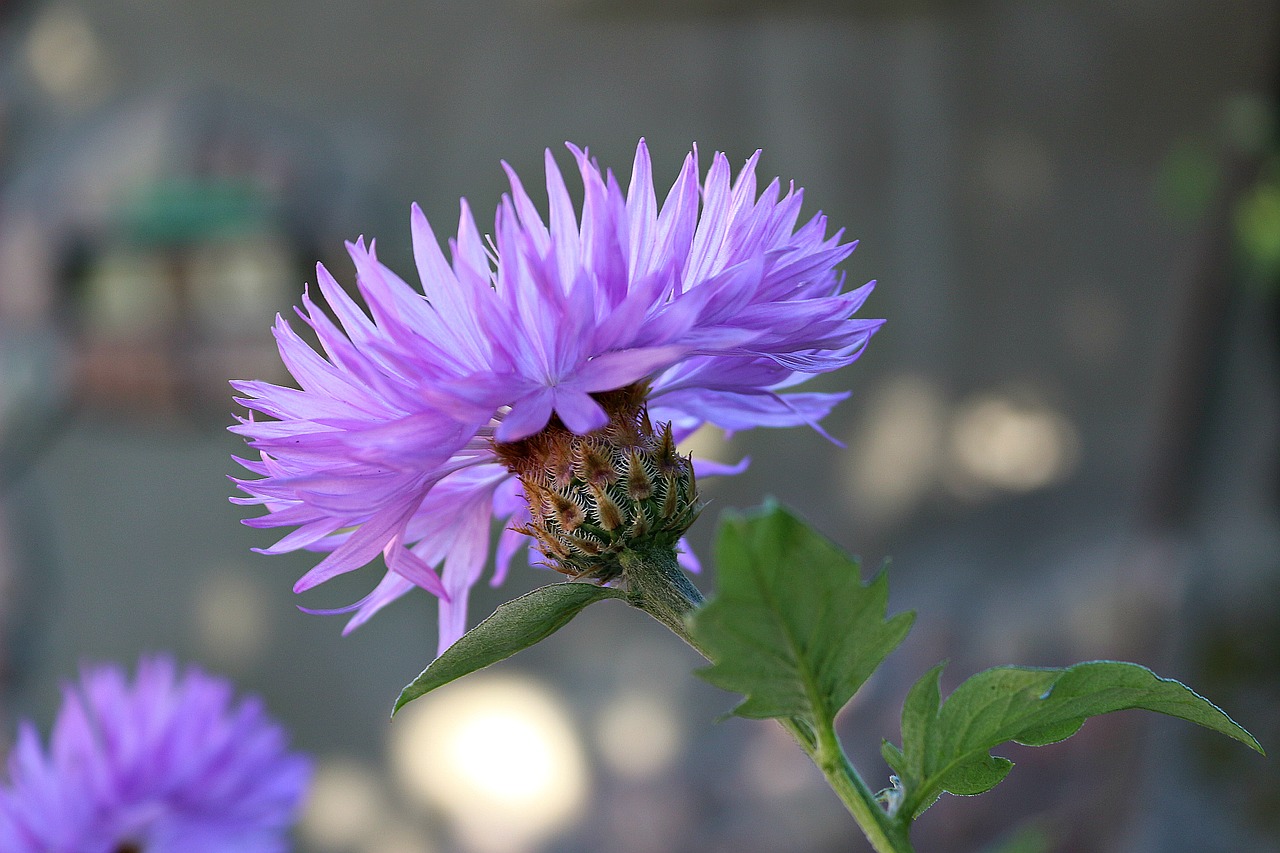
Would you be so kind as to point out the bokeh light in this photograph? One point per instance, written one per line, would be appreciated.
(347, 805)
(66, 58)
(498, 756)
(638, 735)
(232, 624)
(895, 455)
(1004, 443)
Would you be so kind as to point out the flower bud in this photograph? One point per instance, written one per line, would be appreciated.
(592, 497)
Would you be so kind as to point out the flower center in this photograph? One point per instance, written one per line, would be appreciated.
(593, 497)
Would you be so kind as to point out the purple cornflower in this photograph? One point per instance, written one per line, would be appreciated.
(165, 764)
(704, 310)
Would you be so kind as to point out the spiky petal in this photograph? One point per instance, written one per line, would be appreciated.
(716, 303)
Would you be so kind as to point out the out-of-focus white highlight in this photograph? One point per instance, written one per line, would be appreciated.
(638, 736)
(497, 755)
(128, 296)
(397, 837)
(913, 440)
(65, 57)
(346, 806)
(234, 283)
(232, 623)
(708, 442)
(1006, 444)
(896, 453)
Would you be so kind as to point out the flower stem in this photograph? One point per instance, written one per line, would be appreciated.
(656, 584)
(885, 834)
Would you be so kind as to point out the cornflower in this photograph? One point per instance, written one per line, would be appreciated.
(167, 763)
(523, 381)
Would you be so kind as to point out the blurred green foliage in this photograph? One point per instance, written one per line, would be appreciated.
(1257, 229)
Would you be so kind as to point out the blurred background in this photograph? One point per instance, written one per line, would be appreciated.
(1066, 436)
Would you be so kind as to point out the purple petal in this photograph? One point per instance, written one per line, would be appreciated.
(527, 416)
(619, 369)
(580, 413)
(363, 546)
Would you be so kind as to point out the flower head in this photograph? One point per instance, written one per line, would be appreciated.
(165, 764)
(710, 306)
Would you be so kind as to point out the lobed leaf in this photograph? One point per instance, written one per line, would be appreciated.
(947, 748)
(792, 628)
(514, 626)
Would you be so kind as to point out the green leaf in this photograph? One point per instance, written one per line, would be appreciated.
(918, 713)
(976, 777)
(792, 628)
(892, 756)
(946, 749)
(1052, 733)
(514, 626)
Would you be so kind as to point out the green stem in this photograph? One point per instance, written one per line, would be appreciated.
(884, 833)
(656, 584)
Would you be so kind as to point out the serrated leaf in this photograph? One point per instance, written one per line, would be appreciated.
(514, 626)
(892, 756)
(976, 777)
(918, 714)
(1054, 733)
(1031, 706)
(792, 628)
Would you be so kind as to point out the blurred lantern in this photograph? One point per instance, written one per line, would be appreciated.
(139, 252)
(174, 225)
